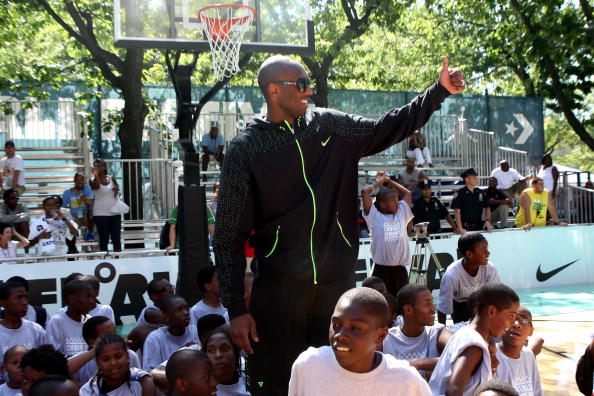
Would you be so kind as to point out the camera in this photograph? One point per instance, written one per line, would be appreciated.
(421, 230)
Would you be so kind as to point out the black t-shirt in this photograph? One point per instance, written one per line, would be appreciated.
(432, 212)
(471, 205)
(497, 195)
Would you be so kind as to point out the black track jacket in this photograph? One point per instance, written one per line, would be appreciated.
(296, 186)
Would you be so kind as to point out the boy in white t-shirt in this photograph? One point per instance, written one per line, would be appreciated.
(517, 364)
(190, 373)
(11, 365)
(417, 339)
(64, 330)
(465, 276)
(465, 362)
(387, 220)
(350, 365)
(211, 303)
(12, 169)
(50, 231)
(14, 330)
(162, 342)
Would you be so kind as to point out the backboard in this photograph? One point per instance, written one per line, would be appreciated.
(280, 26)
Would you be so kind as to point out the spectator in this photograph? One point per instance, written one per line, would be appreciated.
(410, 177)
(509, 180)
(152, 315)
(496, 388)
(8, 247)
(66, 235)
(106, 189)
(417, 146)
(191, 373)
(470, 203)
(211, 303)
(39, 362)
(213, 144)
(79, 200)
(500, 204)
(11, 366)
(51, 230)
(584, 205)
(35, 314)
(12, 169)
(14, 213)
(55, 385)
(534, 204)
(549, 173)
(430, 209)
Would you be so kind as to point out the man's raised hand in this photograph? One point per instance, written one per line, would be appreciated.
(452, 80)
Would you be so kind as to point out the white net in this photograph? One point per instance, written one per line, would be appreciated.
(225, 26)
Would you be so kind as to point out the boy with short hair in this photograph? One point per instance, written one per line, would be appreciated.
(162, 342)
(496, 388)
(35, 313)
(387, 219)
(517, 364)
(39, 362)
(417, 339)
(54, 385)
(83, 365)
(99, 309)
(151, 315)
(64, 330)
(350, 365)
(375, 283)
(14, 330)
(190, 373)
(211, 303)
(12, 367)
(465, 362)
(464, 276)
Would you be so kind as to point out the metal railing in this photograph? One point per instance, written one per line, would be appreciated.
(579, 205)
(478, 150)
(32, 123)
(92, 256)
(148, 186)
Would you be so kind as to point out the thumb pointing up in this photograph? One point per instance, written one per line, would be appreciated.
(446, 63)
(452, 80)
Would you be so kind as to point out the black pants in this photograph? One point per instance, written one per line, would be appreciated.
(393, 276)
(289, 319)
(461, 312)
(109, 226)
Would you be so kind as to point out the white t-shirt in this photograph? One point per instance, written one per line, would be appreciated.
(9, 252)
(407, 348)
(142, 321)
(65, 334)
(546, 174)
(29, 334)
(317, 372)
(8, 166)
(200, 309)
(160, 344)
(99, 310)
(133, 388)
(460, 341)
(521, 373)
(56, 243)
(457, 326)
(236, 389)
(389, 239)
(506, 179)
(104, 199)
(87, 371)
(5, 390)
(458, 285)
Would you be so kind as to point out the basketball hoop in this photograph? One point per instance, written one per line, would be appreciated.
(224, 26)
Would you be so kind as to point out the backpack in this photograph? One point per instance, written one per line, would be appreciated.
(164, 236)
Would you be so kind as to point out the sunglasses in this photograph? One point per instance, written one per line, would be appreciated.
(523, 321)
(166, 288)
(302, 83)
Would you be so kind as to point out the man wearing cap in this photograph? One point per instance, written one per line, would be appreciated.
(430, 209)
(213, 144)
(471, 205)
(509, 180)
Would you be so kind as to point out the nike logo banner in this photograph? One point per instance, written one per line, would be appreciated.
(543, 276)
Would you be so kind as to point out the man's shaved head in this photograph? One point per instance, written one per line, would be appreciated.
(272, 68)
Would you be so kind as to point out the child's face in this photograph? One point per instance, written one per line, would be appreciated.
(178, 314)
(220, 352)
(480, 254)
(354, 335)
(113, 363)
(13, 368)
(30, 375)
(389, 205)
(82, 301)
(423, 310)
(107, 327)
(162, 289)
(201, 383)
(522, 328)
(213, 286)
(501, 320)
(17, 303)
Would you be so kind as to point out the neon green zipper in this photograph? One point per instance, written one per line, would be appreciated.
(275, 243)
(313, 197)
(342, 232)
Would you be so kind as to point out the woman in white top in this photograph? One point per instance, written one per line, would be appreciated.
(105, 189)
(8, 247)
(549, 173)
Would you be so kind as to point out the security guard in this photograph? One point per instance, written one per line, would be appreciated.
(430, 209)
(471, 205)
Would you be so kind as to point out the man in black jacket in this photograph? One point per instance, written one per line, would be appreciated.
(291, 176)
